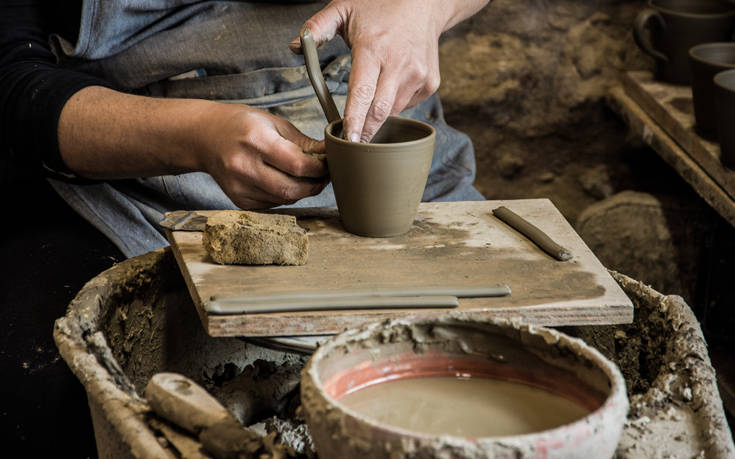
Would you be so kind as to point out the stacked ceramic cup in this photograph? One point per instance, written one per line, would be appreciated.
(691, 41)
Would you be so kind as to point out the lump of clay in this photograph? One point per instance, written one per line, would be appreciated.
(250, 238)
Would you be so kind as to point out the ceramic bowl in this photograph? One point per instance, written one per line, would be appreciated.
(460, 344)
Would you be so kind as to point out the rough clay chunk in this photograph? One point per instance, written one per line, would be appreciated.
(250, 238)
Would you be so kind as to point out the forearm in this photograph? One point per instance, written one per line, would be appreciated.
(256, 158)
(105, 134)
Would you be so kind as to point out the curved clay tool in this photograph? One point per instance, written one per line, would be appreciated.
(311, 57)
(333, 304)
(539, 238)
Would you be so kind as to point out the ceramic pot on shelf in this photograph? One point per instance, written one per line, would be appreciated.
(677, 25)
(707, 60)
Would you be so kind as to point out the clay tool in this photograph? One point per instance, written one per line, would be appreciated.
(308, 47)
(332, 304)
(189, 406)
(378, 298)
(183, 402)
(538, 237)
(183, 220)
(461, 291)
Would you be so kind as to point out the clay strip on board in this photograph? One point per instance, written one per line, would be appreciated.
(332, 304)
(538, 237)
(460, 291)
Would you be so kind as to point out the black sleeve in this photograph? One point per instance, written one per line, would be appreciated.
(33, 89)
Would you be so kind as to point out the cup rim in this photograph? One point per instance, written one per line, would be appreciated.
(723, 74)
(720, 44)
(392, 145)
(653, 4)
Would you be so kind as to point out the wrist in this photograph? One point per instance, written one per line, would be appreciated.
(193, 135)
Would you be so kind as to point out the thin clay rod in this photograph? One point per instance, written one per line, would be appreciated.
(308, 47)
(540, 238)
(469, 291)
(334, 304)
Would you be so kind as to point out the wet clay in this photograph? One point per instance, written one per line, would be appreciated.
(494, 349)
(308, 47)
(463, 407)
(334, 304)
(378, 185)
(532, 232)
(378, 298)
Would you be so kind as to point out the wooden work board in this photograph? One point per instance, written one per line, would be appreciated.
(458, 243)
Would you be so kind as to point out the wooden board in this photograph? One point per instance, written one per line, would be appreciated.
(654, 136)
(449, 244)
(672, 108)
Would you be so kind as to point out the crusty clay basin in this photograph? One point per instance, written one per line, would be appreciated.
(448, 345)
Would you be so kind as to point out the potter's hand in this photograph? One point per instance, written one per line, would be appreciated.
(258, 159)
(395, 57)
(255, 157)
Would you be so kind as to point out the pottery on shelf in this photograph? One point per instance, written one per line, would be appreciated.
(677, 25)
(707, 60)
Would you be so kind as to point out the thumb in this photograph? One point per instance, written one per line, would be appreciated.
(289, 132)
(324, 25)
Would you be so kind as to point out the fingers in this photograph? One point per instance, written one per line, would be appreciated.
(272, 188)
(324, 25)
(383, 105)
(289, 132)
(282, 189)
(285, 148)
(362, 86)
(286, 173)
(384, 84)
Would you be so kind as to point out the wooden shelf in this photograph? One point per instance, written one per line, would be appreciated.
(662, 115)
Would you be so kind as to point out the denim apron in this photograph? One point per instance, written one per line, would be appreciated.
(232, 52)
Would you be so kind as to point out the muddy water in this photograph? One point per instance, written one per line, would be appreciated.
(466, 407)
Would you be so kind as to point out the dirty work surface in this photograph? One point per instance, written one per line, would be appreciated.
(449, 244)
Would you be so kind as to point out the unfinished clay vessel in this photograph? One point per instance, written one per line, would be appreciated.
(378, 185)
(460, 345)
(725, 114)
(677, 25)
(707, 60)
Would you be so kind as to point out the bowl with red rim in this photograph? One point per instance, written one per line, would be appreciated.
(461, 345)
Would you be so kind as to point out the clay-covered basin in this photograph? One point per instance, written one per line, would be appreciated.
(459, 345)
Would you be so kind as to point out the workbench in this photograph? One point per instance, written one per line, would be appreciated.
(455, 243)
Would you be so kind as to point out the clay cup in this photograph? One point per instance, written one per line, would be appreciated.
(676, 26)
(707, 60)
(378, 185)
(725, 111)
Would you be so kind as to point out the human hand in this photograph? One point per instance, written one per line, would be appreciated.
(259, 159)
(395, 56)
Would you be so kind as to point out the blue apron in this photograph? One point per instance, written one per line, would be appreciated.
(232, 52)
